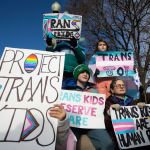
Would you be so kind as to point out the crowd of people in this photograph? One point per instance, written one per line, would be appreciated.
(77, 77)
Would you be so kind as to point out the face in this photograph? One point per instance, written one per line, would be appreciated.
(102, 46)
(83, 77)
(119, 88)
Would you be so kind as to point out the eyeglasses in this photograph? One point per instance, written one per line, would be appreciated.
(120, 85)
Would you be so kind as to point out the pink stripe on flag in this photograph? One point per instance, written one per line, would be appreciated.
(124, 128)
(123, 123)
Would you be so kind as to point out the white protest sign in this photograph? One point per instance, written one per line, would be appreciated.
(62, 25)
(85, 109)
(132, 126)
(18, 62)
(115, 63)
(26, 96)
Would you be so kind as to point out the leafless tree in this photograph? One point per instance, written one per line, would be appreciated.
(124, 24)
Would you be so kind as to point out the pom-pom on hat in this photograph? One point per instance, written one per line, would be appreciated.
(79, 69)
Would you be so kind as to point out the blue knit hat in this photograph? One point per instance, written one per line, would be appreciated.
(79, 69)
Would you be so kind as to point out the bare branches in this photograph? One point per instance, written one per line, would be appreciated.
(123, 23)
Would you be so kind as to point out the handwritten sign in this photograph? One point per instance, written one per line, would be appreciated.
(132, 126)
(85, 109)
(30, 83)
(115, 64)
(16, 62)
(62, 25)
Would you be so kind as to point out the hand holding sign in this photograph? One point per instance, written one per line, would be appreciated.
(51, 41)
(141, 105)
(116, 106)
(58, 112)
(48, 40)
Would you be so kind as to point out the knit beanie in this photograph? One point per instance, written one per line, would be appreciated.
(79, 69)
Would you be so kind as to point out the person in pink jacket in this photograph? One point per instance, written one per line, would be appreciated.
(102, 83)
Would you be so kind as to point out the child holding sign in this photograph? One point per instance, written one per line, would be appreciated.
(99, 137)
(102, 83)
(115, 101)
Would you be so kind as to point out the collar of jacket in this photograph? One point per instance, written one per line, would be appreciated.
(123, 102)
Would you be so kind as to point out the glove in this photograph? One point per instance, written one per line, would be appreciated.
(73, 42)
(48, 41)
(97, 72)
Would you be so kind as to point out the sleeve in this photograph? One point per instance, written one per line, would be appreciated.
(62, 134)
(107, 106)
(50, 49)
(92, 64)
(80, 55)
(107, 118)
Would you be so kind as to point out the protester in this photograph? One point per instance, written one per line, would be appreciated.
(99, 137)
(117, 99)
(63, 130)
(102, 83)
(74, 54)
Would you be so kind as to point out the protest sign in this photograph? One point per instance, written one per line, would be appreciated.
(30, 83)
(19, 62)
(132, 126)
(115, 63)
(85, 109)
(62, 25)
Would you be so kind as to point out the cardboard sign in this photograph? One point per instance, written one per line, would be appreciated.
(132, 126)
(62, 25)
(115, 63)
(30, 83)
(85, 109)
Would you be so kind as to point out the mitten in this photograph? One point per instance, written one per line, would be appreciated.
(73, 42)
(48, 41)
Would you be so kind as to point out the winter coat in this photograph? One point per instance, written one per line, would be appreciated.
(65, 136)
(71, 84)
(73, 56)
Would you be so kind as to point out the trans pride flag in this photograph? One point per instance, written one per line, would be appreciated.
(123, 126)
(115, 63)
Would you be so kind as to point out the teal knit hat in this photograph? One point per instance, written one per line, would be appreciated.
(79, 69)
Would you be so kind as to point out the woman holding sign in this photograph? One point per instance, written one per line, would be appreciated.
(102, 83)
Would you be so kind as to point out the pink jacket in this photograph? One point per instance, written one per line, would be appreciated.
(65, 139)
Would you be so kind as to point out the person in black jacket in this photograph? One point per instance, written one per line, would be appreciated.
(117, 99)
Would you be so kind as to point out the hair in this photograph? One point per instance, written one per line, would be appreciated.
(113, 83)
(98, 43)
